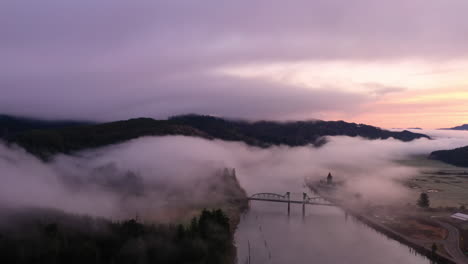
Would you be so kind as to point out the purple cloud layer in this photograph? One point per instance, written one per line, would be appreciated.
(112, 59)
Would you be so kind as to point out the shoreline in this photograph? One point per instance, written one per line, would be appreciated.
(387, 231)
(420, 249)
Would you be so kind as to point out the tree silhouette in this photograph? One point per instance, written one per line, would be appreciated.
(70, 239)
(423, 200)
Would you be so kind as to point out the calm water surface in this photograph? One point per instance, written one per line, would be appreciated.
(324, 235)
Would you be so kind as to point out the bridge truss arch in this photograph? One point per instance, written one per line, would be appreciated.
(272, 196)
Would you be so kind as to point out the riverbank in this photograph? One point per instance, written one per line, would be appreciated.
(417, 246)
(421, 246)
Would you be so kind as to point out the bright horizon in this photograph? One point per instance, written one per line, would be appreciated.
(406, 94)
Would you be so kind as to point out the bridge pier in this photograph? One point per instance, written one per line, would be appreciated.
(304, 199)
(289, 203)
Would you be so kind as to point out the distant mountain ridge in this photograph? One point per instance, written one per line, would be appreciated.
(297, 133)
(46, 142)
(462, 127)
(457, 157)
(12, 125)
(71, 137)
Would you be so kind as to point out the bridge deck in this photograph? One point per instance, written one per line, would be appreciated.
(290, 201)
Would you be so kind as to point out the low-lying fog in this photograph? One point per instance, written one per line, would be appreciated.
(142, 175)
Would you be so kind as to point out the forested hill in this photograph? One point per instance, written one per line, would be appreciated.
(457, 157)
(12, 125)
(46, 142)
(462, 127)
(39, 235)
(296, 133)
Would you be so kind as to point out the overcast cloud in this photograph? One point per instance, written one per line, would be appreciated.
(114, 59)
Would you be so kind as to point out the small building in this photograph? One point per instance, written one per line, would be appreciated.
(460, 216)
(329, 179)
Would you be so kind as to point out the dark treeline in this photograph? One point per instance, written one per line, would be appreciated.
(12, 125)
(74, 239)
(294, 133)
(457, 157)
(47, 142)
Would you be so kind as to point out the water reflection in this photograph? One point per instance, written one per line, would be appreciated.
(323, 235)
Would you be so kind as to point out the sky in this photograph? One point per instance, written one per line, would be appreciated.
(393, 64)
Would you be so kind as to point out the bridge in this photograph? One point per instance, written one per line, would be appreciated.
(286, 198)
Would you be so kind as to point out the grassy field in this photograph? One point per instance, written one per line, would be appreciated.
(446, 185)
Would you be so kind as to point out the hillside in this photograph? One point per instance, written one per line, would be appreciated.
(12, 125)
(51, 236)
(180, 231)
(46, 142)
(462, 127)
(297, 133)
(457, 157)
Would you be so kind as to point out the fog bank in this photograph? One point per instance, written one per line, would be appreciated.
(152, 175)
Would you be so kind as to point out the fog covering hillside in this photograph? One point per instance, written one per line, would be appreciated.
(130, 203)
(169, 180)
(50, 236)
(45, 143)
(145, 174)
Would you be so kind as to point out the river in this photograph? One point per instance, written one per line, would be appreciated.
(324, 235)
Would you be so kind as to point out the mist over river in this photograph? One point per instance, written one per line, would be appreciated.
(95, 182)
(324, 235)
